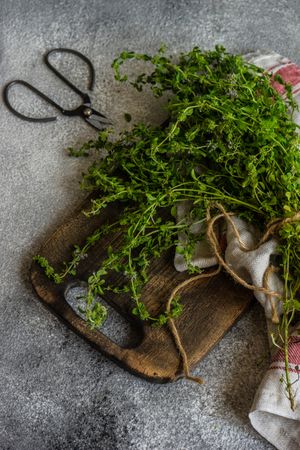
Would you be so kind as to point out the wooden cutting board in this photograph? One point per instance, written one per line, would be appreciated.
(211, 306)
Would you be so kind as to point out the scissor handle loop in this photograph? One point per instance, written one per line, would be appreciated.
(37, 92)
(84, 96)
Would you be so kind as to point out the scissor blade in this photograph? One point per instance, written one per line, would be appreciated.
(98, 120)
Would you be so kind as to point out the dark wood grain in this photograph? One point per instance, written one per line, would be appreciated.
(211, 306)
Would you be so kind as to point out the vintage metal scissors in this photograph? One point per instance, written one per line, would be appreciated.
(85, 110)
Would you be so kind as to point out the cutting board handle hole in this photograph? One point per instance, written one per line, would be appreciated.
(116, 327)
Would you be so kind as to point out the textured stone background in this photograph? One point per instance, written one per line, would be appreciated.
(56, 391)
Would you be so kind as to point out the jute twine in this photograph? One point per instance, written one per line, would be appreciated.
(173, 328)
(271, 229)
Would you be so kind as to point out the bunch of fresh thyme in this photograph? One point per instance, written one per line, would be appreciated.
(230, 139)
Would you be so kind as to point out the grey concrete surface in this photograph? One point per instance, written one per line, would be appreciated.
(56, 392)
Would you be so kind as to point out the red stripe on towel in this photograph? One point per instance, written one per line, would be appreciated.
(294, 352)
(283, 368)
(290, 73)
